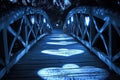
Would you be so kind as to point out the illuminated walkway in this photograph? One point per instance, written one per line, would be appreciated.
(59, 57)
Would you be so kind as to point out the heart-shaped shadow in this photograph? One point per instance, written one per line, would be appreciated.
(63, 52)
(73, 72)
(62, 43)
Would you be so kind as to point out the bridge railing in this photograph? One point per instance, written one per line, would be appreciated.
(19, 30)
(99, 30)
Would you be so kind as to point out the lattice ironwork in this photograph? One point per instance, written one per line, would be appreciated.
(19, 30)
(99, 30)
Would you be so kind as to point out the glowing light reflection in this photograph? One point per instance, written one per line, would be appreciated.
(48, 25)
(68, 38)
(13, 1)
(68, 22)
(32, 20)
(87, 20)
(72, 19)
(44, 20)
(59, 35)
(70, 66)
(57, 24)
(62, 43)
(67, 2)
(63, 52)
(73, 72)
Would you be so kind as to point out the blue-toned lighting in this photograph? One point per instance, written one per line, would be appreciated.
(68, 38)
(59, 35)
(87, 20)
(62, 43)
(73, 72)
(63, 4)
(48, 25)
(63, 52)
(68, 22)
(14, 1)
(67, 2)
(32, 20)
(118, 2)
(44, 20)
(28, 1)
(57, 24)
(72, 19)
(70, 66)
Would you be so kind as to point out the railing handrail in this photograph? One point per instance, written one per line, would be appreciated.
(17, 13)
(92, 24)
(98, 12)
(22, 26)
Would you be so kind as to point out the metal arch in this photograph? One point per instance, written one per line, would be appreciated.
(18, 13)
(98, 12)
(25, 26)
(110, 19)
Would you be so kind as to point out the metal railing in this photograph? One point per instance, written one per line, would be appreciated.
(99, 30)
(20, 29)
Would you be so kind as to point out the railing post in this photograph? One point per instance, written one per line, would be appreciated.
(110, 43)
(91, 30)
(6, 54)
(10, 24)
(103, 29)
(26, 35)
(77, 23)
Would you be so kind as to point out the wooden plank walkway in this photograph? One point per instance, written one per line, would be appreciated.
(82, 65)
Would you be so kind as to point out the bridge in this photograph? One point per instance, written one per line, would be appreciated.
(86, 47)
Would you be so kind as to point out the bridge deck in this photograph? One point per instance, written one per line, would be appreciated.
(80, 66)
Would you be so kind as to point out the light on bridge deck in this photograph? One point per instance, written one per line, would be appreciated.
(59, 35)
(62, 43)
(63, 52)
(68, 38)
(73, 72)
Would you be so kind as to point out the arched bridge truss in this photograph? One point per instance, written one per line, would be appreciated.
(19, 30)
(99, 30)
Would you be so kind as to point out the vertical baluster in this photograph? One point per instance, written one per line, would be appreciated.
(110, 44)
(26, 34)
(6, 54)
